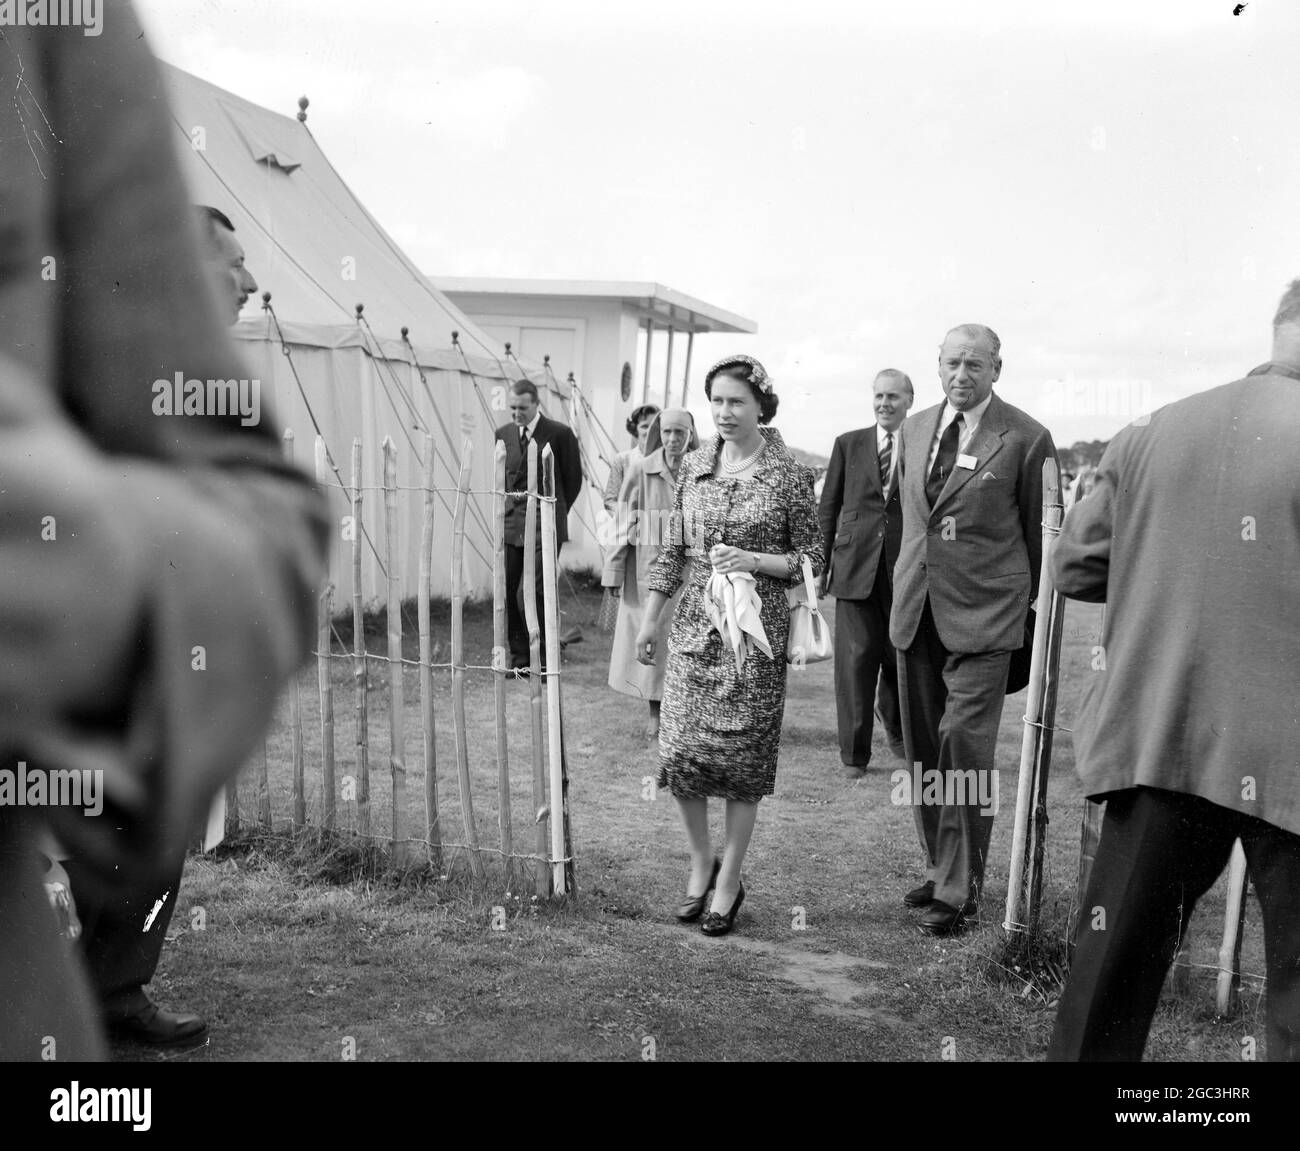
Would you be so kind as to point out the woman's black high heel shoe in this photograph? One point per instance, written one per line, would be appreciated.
(691, 909)
(715, 924)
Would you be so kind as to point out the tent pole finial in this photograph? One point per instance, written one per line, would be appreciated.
(266, 300)
(455, 339)
(302, 109)
(360, 308)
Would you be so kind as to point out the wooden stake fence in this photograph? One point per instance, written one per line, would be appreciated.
(535, 666)
(299, 798)
(551, 608)
(396, 688)
(553, 857)
(324, 614)
(432, 823)
(360, 673)
(264, 791)
(458, 662)
(1035, 751)
(1228, 982)
(500, 657)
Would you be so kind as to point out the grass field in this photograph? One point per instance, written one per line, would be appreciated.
(290, 963)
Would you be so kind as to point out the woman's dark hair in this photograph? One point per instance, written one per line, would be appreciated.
(639, 414)
(767, 401)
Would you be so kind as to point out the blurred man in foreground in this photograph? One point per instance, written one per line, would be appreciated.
(122, 936)
(156, 572)
(1189, 727)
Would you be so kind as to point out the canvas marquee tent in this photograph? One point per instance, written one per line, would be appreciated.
(311, 243)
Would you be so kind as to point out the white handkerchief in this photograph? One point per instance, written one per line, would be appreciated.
(732, 604)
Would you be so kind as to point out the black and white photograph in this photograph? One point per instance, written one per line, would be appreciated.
(713, 532)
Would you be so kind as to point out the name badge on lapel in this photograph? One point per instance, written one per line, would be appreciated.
(965, 461)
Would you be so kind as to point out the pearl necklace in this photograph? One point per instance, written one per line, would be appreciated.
(740, 465)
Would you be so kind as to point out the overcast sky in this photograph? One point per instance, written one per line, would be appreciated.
(1111, 186)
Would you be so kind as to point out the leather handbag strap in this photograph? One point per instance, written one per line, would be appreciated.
(808, 583)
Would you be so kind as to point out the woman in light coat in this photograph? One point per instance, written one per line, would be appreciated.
(641, 518)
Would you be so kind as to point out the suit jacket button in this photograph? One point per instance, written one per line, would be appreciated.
(921, 566)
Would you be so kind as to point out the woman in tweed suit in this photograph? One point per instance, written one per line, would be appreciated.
(745, 506)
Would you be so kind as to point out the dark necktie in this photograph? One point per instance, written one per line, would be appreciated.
(944, 461)
(886, 461)
(521, 476)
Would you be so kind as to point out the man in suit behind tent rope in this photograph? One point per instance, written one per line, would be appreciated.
(529, 425)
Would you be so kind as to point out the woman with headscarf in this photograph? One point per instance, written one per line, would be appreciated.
(747, 520)
(641, 516)
(638, 427)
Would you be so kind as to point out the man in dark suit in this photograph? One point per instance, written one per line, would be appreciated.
(1187, 727)
(132, 542)
(966, 576)
(862, 526)
(530, 426)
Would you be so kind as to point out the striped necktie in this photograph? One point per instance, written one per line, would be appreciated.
(886, 462)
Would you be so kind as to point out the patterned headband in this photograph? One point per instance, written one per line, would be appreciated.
(757, 373)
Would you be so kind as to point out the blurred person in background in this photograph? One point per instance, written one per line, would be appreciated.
(638, 427)
(862, 526)
(133, 542)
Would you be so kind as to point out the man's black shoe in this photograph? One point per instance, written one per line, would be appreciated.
(157, 1028)
(921, 896)
(944, 919)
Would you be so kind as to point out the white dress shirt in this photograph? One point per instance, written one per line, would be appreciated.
(970, 425)
(530, 427)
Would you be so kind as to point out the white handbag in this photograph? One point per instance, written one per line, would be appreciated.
(810, 637)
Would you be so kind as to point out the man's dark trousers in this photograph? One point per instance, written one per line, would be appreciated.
(516, 621)
(863, 656)
(1159, 852)
(959, 697)
(120, 954)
